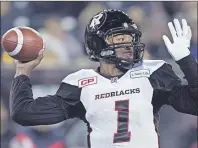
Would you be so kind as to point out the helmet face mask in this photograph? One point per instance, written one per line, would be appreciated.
(110, 23)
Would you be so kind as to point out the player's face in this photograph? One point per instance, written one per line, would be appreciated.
(123, 53)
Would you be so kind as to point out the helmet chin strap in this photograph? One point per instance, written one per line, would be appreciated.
(123, 66)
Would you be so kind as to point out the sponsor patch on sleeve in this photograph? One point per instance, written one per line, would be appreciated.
(87, 81)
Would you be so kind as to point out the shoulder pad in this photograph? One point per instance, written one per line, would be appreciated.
(74, 78)
(151, 65)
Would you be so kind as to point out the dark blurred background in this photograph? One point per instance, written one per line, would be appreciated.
(62, 26)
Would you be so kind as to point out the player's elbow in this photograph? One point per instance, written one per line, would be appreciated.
(18, 118)
(195, 93)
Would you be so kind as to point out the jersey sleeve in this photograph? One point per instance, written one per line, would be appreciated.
(169, 90)
(50, 109)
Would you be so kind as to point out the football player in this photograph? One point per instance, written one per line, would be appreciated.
(120, 100)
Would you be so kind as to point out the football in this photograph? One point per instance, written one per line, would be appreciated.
(22, 43)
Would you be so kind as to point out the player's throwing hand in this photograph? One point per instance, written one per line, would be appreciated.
(181, 39)
(26, 68)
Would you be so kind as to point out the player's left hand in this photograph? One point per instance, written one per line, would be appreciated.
(181, 39)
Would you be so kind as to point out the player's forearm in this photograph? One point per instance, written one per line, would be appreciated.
(189, 67)
(188, 95)
(27, 111)
(20, 91)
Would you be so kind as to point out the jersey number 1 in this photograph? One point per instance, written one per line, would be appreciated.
(122, 134)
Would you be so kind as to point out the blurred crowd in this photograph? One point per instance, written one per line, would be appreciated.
(62, 26)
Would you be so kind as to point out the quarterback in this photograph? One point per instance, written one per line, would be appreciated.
(120, 100)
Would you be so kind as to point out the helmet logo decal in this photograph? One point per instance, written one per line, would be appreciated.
(126, 25)
(96, 20)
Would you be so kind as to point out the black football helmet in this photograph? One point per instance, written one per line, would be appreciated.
(109, 23)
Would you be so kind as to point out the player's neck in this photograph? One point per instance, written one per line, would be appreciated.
(109, 69)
